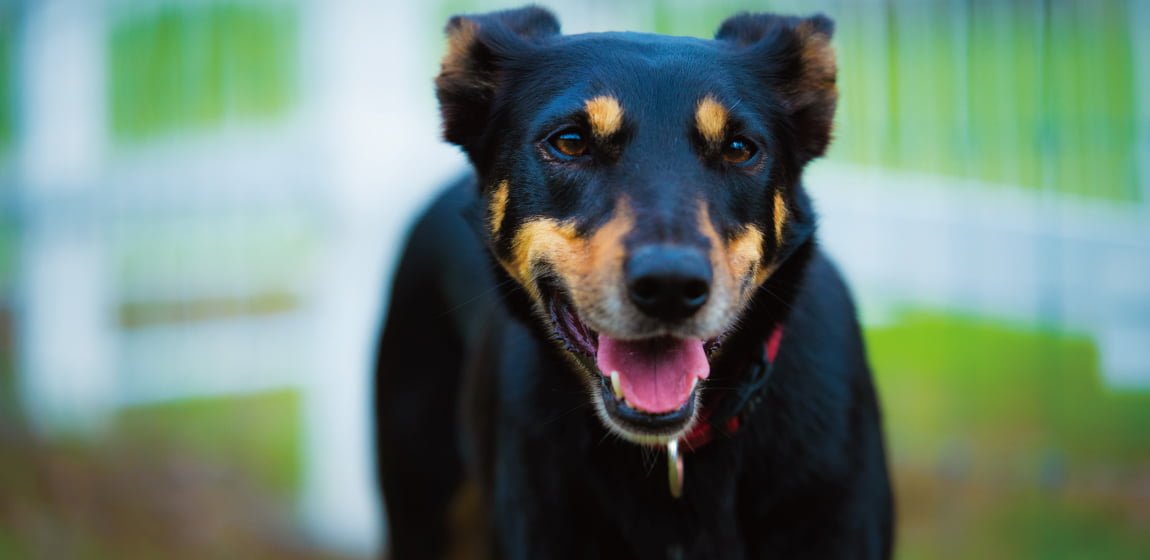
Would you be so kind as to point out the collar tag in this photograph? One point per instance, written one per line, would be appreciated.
(674, 469)
(729, 416)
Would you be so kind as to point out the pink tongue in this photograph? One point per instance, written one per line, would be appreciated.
(656, 375)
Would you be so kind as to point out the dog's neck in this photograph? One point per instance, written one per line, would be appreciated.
(757, 342)
(726, 414)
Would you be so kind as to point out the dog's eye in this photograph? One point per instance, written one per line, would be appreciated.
(739, 150)
(570, 143)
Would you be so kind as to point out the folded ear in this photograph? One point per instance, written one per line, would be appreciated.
(794, 56)
(469, 75)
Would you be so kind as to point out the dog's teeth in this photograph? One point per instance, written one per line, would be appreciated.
(694, 382)
(615, 386)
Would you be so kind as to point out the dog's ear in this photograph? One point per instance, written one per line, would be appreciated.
(794, 56)
(469, 76)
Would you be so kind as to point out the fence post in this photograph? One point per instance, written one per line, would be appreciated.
(64, 320)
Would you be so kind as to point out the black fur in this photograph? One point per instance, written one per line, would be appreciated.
(471, 385)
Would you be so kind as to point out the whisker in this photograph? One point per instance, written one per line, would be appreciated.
(778, 298)
(565, 413)
(652, 459)
(477, 297)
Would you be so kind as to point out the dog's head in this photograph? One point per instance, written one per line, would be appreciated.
(640, 188)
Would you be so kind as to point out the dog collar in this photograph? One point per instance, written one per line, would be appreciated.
(728, 415)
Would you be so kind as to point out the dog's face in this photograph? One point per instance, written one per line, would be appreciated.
(639, 188)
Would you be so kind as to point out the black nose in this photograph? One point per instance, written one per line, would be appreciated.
(668, 282)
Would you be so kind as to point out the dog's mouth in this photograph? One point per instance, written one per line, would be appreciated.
(647, 387)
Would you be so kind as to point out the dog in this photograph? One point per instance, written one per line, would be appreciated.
(618, 337)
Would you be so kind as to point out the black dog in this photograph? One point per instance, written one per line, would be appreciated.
(618, 338)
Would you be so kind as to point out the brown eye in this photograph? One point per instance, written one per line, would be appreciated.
(738, 150)
(569, 143)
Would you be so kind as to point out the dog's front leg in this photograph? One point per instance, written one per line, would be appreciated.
(533, 511)
(517, 447)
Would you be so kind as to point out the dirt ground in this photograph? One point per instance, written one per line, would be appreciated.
(127, 500)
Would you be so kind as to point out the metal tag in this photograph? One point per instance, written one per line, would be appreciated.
(674, 469)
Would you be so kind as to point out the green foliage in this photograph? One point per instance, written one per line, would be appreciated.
(7, 79)
(186, 65)
(1005, 92)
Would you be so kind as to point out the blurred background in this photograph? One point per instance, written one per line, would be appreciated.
(201, 203)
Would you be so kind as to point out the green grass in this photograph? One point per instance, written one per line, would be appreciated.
(259, 436)
(202, 478)
(1006, 435)
(9, 244)
(1043, 527)
(183, 66)
(1008, 387)
(9, 406)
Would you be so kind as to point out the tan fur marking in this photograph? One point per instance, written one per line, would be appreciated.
(780, 217)
(817, 84)
(711, 119)
(467, 537)
(459, 40)
(746, 255)
(498, 208)
(605, 249)
(605, 115)
(540, 239)
(734, 262)
(586, 265)
(818, 55)
(723, 279)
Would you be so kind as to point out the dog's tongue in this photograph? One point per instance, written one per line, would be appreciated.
(656, 375)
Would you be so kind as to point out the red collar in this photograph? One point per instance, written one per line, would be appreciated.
(704, 430)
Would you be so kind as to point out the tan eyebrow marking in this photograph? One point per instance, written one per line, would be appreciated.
(498, 207)
(780, 217)
(605, 114)
(711, 119)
